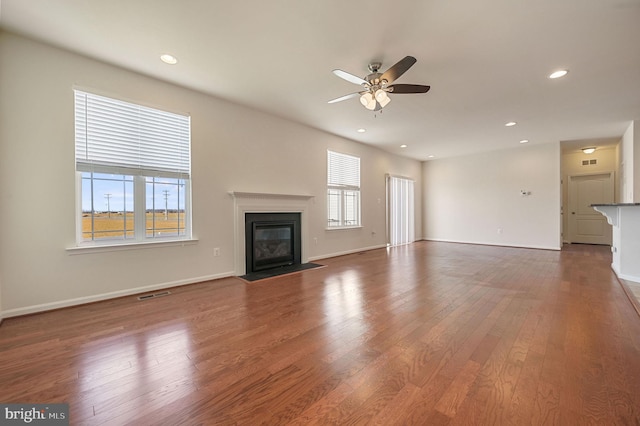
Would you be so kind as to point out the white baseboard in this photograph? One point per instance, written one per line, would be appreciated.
(626, 277)
(342, 253)
(480, 243)
(137, 290)
(112, 295)
(326, 256)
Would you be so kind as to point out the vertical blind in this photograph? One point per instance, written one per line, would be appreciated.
(114, 136)
(343, 171)
(401, 210)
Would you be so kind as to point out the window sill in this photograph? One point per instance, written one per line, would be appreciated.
(109, 247)
(337, 228)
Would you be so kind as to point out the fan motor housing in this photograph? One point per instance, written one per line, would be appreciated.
(374, 78)
(374, 66)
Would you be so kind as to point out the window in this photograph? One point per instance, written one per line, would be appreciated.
(133, 165)
(343, 190)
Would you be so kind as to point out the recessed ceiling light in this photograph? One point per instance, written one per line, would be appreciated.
(169, 59)
(511, 123)
(430, 156)
(403, 146)
(361, 130)
(524, 141)
(558, 74)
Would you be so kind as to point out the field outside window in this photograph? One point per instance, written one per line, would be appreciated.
(165, 207)
(107, 206)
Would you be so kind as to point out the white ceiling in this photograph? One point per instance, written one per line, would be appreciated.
(486, 61)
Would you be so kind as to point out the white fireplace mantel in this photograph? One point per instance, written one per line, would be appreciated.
(268, 196)
(262, 202)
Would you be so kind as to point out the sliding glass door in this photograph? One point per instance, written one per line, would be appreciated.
(400, 210)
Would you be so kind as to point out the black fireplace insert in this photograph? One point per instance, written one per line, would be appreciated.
(272, 240)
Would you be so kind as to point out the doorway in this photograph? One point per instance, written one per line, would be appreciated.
(400, 210)
(587, 226)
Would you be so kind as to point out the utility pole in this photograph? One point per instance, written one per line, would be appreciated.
(108, 197)
(166, 203)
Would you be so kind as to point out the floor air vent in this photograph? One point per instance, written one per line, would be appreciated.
(153, 295)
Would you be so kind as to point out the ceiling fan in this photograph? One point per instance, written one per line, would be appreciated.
(377, 86)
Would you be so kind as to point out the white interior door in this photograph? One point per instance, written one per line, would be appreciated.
(586, 225)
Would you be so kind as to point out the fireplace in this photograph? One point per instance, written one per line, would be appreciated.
(245, 203)
(272, 240)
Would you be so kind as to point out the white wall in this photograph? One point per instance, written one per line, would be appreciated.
(1, 312)
(619, 177)
(628, 148)
(234, 148)
(630, 163)
(636, 160)
(470, 199)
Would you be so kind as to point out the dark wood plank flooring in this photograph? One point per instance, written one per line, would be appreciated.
(425, 334)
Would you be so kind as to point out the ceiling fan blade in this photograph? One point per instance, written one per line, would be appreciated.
(408, 88)
(350, 77)
(344, 98)
(398, 69)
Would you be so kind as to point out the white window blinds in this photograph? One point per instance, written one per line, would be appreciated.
(343, 171)
(401, 210)
(113, 136)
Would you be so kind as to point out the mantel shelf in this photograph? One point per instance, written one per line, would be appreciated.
(267, 195)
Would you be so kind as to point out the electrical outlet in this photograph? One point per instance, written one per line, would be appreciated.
(216, 251)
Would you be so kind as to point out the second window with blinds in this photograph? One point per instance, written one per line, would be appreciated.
(343, 190)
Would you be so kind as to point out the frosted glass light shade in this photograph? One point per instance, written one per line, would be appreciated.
(368, 101)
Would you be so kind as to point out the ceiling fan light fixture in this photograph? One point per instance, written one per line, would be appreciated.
(375, 87)
(589, 150)
(382, 98)
(368, 101)
(365, 98)
(381, 95)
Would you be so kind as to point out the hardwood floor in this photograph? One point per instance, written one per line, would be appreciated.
(633, 291)
(426, 334)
